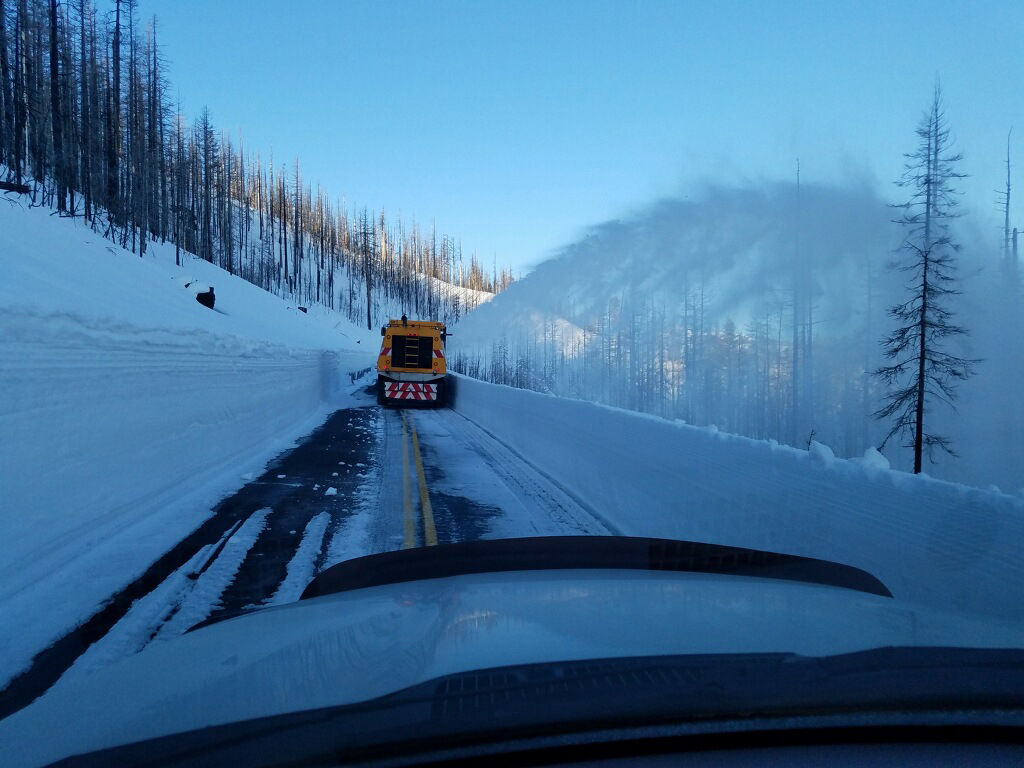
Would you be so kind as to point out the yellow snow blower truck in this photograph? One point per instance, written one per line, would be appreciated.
(411, 367)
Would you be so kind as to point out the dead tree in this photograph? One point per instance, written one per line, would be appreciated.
(921, 370)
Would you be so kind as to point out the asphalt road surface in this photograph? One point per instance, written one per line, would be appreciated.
(369, 480)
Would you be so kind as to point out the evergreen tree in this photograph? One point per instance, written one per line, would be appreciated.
(922, 370)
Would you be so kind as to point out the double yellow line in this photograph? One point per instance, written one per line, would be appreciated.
(429, 530)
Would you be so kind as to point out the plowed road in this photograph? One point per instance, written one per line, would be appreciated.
(369, 480)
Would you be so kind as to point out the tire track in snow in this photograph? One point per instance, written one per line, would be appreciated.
(374, 524)
(302, 566)
(205, 596)
(134, 631)
(351, 537)
(554, 510)
(333, 455)
(179, 602)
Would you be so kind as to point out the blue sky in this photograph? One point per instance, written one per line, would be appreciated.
(514, 125)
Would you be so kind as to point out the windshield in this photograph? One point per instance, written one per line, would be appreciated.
(284, 290)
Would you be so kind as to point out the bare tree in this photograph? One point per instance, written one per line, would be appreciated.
(6, 98)
(1006, 202)
(87, 128)
(56, 117)
(1009, 258)
(20, 96)
(921, 370)
(366, 250)
(114, 121)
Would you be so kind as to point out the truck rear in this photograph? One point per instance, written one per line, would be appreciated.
(411, 367)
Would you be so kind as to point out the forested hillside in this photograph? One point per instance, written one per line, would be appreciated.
(88, 127)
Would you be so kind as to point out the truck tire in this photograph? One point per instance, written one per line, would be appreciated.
(449, 391)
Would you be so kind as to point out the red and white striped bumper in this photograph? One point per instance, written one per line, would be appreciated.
(409, 390)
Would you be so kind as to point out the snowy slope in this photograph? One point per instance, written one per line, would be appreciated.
(129, 409)
(469, 299)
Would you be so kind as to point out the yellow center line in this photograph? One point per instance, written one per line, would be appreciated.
(429, 531)
(409, 535)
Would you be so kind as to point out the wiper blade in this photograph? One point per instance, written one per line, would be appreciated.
(647, 704)
(546, 553)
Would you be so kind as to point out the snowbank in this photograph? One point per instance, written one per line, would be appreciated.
(930, 541)
(129, 409)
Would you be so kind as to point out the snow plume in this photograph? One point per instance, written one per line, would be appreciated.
(742, 245)
(757, 308)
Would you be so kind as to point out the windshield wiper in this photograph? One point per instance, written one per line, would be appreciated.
(584, 552)
(596, 708)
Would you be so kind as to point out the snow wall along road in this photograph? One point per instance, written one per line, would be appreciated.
(112, 429)
(929, 541)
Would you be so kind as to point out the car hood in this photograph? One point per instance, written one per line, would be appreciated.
(366, 643)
